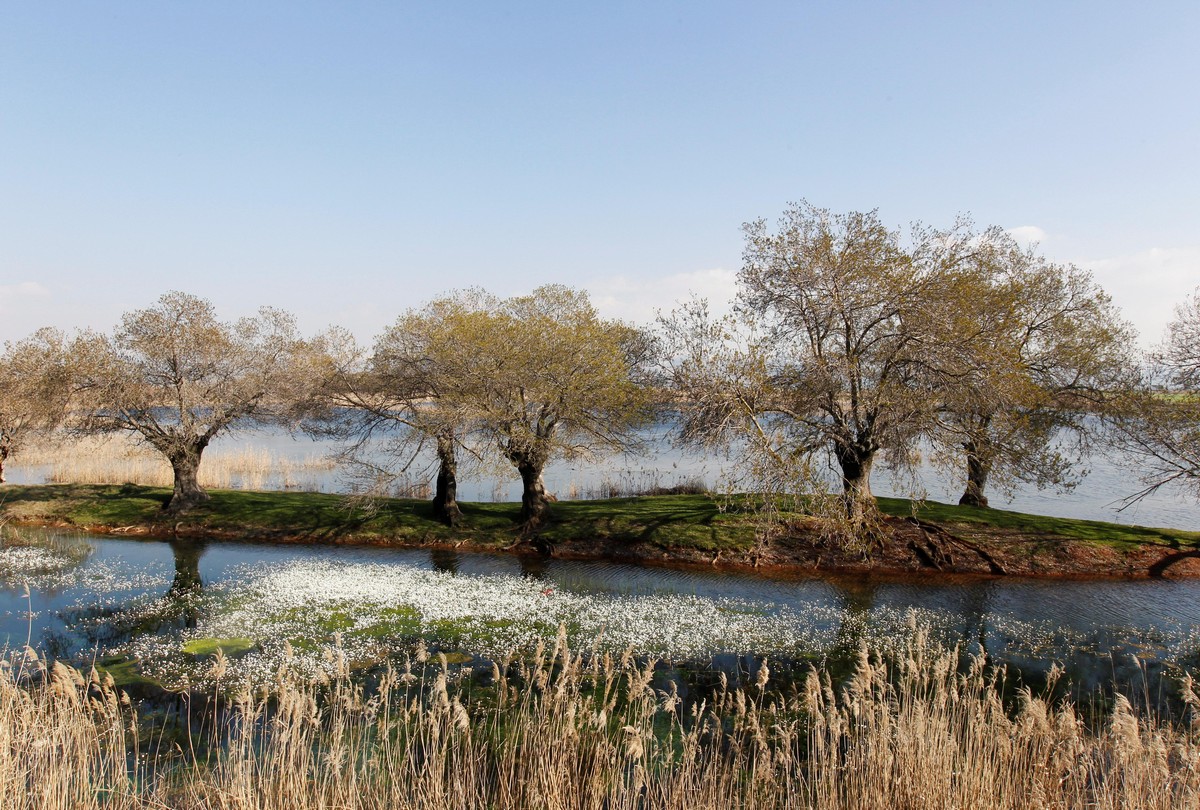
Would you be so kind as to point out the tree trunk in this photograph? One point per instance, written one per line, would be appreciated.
(3, 458)
(978, 468)
(188, 493)
(445, 496)
(856, 464)
(534, 503)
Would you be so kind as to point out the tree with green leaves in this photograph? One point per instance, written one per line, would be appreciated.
(177, 377)
(554, 380)
(34, 390)
(1052, 355)
(415, 390)
(845, 338)
(524, 380)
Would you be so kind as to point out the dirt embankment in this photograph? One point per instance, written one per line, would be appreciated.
(910, 547)
(906, 547)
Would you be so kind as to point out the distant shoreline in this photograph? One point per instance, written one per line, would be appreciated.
(940, 540)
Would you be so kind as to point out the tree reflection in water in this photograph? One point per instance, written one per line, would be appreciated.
(444, 559)
(187, 584)
(103, 626)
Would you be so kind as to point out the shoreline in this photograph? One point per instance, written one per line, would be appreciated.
(688, 531)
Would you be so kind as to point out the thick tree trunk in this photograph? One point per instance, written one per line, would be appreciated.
(978, 469)
(857, 498)
(445, 496)
(534, 502)
(185, 464)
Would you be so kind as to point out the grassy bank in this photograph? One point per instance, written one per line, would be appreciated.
(683, 521)
(686, 528)
(558, 730)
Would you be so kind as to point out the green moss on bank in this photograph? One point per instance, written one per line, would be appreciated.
(669, 521)
(695, 522)
(1091, 531)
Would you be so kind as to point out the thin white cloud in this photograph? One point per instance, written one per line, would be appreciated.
(639, 300)
(1147, 285)
(1028, 234)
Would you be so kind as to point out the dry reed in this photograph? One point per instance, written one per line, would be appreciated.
(119, 459)
(635, 483)
(558, 730)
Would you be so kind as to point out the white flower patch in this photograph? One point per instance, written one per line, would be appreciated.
(494, 614)
(375, 609)
(290, 614)
(490, 615)
(18, 561)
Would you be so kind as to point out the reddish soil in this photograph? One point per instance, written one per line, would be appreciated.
(909, 548)
(906, 548)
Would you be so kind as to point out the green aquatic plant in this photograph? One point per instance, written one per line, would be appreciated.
(210, 646)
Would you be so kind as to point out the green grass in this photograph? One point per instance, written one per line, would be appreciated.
(1092, 531)
(126, 675)
(209, 646)
(696, 522)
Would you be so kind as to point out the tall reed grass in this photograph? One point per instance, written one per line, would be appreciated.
(559, 730)
(632, 483)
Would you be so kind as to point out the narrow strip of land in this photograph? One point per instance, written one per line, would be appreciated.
(924, 537)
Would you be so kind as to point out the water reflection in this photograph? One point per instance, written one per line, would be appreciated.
(187, 586)
(533, 566)
(857, 599)
(187, 554)
(122, 590)
(444, 560)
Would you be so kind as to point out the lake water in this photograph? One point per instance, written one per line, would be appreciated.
(1111, 479)
(96, 597)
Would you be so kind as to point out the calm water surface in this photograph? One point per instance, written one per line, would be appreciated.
(1099, 496)
(98, 596)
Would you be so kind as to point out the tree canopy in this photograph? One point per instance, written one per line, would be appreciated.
(414, 389)
(34, 390)
(1051, 354)
(177, 377)
(844, 340)
(523, 380)
(557, 381)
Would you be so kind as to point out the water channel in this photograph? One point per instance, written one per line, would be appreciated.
(84, 598)
(169, 605)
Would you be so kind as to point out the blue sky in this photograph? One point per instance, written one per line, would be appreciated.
(346, 161)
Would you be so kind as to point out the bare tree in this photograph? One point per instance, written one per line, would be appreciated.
(34, 388)
(1179, 355)
(1160, 425)
(177, 377)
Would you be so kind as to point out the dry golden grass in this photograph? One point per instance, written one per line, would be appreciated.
(561, 731)
(118, 459)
